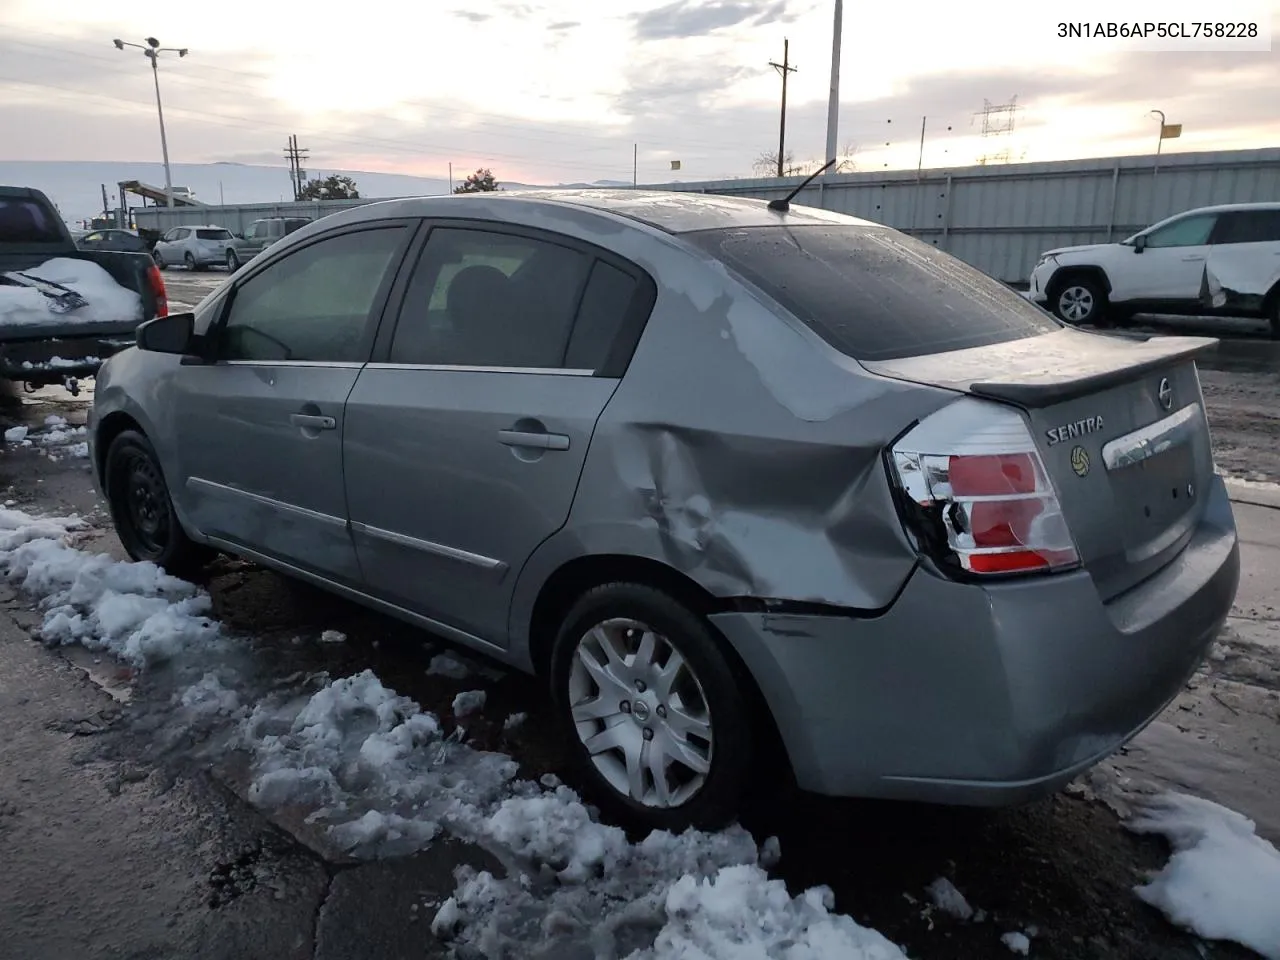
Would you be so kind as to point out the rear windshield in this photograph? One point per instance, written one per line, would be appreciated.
(292, 225)
(213, 235)
(26, 221)
(874, 293)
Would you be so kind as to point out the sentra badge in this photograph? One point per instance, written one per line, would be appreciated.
(1073, 431)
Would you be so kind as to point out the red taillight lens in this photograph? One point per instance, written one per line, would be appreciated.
(984, 511)
(156, 282)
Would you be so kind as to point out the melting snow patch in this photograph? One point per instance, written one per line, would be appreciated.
(468, 702)
(443, 665)
(133, 610)
(945, 896)
(1223, 880)
(1017, 942)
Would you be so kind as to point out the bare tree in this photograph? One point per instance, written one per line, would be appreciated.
(766, 165)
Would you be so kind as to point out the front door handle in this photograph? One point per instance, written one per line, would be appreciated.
(538, 441)
(312, 421)
(1192, 259)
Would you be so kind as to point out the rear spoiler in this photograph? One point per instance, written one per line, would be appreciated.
(1046, 370)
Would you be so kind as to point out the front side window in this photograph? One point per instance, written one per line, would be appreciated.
(482, 299)
(1187, 232)
(316, 304)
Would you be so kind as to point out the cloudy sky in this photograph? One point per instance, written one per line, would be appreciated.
(560, 90)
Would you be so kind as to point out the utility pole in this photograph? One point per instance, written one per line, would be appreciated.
(635, 165)
(451, 177)
(920, 158)
(833, 99)
(152, 52)
(295, 156)
(783, 68)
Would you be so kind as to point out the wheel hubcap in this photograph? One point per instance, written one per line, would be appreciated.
(1075, 303)
(640, 711)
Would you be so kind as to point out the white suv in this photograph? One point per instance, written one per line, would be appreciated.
(1214, 261)
(196, 247)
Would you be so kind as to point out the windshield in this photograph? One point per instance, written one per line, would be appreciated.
(874, 293)
(218, 234)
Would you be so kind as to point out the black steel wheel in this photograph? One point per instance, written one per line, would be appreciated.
(142, 510)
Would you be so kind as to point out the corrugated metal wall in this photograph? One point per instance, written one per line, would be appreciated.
(998, 218)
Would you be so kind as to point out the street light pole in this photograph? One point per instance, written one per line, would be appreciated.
(1155, 167)
(833, 99)
(152, 51)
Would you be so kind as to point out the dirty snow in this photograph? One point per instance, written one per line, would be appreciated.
(444, 665)
(1222, 881)
(944, 895)
(108, 301)
(135, 611)
(468, 702)
(514, 721)
(16, 434)
(1017, 942)
(333, 636)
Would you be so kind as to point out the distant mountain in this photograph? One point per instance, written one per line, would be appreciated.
(76, 187)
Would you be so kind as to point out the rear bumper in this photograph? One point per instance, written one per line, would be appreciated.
(55, 359)
(987, 695)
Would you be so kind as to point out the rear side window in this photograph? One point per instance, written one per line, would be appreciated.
(26, 221)
(873, 293)
(1247, 226)
(292, 225)
(213, 235)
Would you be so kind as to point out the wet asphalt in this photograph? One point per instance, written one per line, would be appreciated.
(113, 845)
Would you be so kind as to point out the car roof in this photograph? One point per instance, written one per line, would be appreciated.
(668, 211)
(1236, 207)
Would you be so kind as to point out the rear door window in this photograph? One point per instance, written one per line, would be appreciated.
(874, 293)
(1247, 226)
(213, 234)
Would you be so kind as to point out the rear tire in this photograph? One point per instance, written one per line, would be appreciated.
(1080, 300)
(1273, 316)
(159, 260)
(142, 511)
(642, 678)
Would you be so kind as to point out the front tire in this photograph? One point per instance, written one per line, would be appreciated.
(1273, 317)
(159, 260)
(233, 261)
(1080, 300)
(654, 713)
(142, 511)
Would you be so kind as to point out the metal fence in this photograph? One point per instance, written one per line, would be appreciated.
(998, 218)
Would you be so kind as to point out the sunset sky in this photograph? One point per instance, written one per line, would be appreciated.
(560, 90)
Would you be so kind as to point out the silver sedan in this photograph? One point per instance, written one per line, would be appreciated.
(720, 473)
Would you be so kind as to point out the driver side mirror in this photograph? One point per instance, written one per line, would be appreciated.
(172, 334)
(1140, 243)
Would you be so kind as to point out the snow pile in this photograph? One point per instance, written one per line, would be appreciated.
(17, 435)
(108, 301)
(1223, 880)
(580, 888)
(133, 610)
(944, 895)
(1019, 943)
(58, 433)
(468, 702)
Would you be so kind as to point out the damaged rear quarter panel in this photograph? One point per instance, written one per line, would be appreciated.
(741, 450)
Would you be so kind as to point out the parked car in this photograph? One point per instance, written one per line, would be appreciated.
(72, 341)
(196, 247)
(260, 235)
(723, 475)
(124, 240)
(1212, 261)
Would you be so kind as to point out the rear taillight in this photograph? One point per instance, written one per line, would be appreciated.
(975, 495)
(156, 282)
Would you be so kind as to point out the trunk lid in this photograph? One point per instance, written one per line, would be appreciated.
(1120, 426)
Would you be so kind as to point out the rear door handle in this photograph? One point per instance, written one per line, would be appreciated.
(312, 421)
(538, 441)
